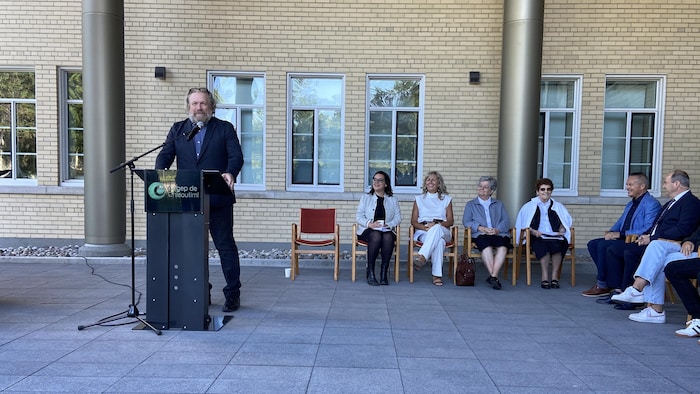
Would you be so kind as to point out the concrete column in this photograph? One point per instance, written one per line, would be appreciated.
(521, 71)
(103, 108)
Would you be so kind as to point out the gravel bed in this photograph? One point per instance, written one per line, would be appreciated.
(272, 254)
(74, 251)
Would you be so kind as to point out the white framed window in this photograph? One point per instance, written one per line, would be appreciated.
(632, 131)
(394, 129)
(240, 99)
(559, 132)
(18, 157)
(71, 127)
(315, 131)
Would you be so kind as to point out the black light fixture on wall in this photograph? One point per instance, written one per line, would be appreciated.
(474, 77)
(160, 72)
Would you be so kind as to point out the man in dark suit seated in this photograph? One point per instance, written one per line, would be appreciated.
(637, 217)
(680, 274)
(204, 142)
(677, 220)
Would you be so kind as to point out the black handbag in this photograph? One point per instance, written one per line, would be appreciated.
(466, 271)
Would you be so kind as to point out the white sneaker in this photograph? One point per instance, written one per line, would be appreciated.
(648, 315)
(631, 295)
(692, 329)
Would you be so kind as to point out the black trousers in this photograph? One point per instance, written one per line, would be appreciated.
(221, 230)
(623, 261)
(680, 273)
(598, 249)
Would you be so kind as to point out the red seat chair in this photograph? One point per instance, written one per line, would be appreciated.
(317, 228)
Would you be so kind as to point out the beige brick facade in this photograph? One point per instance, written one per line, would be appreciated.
(442, 40)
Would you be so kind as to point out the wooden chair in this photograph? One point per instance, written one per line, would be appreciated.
(355, 252)
(317, 223)
(524, 248)
(451, 251)
(471, 250)
(669, 288)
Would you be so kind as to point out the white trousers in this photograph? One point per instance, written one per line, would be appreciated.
(433, 249)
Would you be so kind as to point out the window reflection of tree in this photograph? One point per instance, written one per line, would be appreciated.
(316, 130)
(401, 96)
(302, 147)
(17, 86)
(75, 126)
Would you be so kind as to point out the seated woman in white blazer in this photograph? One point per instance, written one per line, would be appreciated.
(549, 224)
(378, 214)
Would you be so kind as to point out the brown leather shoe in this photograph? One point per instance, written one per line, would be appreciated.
(596, 291)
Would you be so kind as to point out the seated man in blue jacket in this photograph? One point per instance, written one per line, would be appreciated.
(638, 216)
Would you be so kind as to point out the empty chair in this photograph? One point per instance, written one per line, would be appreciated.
(317, 228)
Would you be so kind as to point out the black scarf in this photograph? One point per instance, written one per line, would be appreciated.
(554, 220)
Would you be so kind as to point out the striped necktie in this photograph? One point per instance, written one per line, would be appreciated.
(667, 206)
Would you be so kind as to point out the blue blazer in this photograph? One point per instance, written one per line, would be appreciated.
(643, 217)
(220, 151)
(680, 221)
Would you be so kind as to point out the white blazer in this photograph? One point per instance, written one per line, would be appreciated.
(367, 206)
(528, 211)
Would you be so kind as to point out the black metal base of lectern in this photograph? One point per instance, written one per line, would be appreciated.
(215, 323)
(177, 274)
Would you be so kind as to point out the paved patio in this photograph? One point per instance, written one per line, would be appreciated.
(315, 335)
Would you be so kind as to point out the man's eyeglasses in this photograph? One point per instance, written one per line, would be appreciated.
(545, 189)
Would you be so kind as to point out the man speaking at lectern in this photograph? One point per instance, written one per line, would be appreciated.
(204, 142)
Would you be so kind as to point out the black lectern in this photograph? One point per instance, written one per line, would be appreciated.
(177, 283)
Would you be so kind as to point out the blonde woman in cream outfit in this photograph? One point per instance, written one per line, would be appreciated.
(432, 218)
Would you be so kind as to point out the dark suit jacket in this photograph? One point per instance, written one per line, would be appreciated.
(220, 151)
(681, 219)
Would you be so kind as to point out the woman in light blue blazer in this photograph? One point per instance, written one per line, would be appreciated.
(490, 224)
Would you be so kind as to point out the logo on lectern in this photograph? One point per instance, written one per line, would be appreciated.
(156, 191)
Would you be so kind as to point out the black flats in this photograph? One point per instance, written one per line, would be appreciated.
(494, 282)
(553, 284)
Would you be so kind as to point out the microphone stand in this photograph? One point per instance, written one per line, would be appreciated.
(133, 311)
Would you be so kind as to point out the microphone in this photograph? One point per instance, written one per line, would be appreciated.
(195, 130)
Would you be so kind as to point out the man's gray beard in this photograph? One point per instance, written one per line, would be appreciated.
(205, 121)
